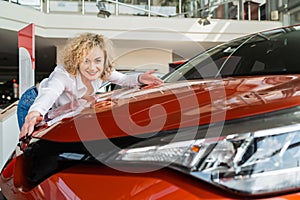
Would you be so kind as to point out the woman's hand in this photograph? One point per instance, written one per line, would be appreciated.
(147, 78)
(31, 119)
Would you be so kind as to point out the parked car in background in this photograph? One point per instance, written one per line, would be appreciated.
(224, 125)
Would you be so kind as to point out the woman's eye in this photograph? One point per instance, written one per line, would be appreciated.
(86, 62)
(98, 61)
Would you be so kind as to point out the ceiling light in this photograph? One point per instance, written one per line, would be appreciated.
(203, 21)
(103, 13)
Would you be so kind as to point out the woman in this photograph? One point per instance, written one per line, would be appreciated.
(87, 63)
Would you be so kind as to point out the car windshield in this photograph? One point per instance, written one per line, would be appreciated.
(270, 52)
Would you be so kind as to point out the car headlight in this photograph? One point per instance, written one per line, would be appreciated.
(252, 156)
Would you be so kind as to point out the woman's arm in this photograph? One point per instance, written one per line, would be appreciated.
(49, 90)
(31, 119)
(134, 79)
(147, 78)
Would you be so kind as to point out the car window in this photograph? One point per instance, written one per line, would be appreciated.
(272, 52)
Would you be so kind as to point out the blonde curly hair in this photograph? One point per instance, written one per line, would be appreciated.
(78, 48)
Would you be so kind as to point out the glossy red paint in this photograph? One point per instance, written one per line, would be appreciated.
(214, 100)
(187, 103)
(94, 182)
(58, 165)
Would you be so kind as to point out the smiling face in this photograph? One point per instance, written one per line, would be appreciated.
(93, 64)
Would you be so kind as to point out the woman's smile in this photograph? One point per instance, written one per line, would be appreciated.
(93, 64)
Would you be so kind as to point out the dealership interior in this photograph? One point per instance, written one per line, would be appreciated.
(164, 31)
(146, 34)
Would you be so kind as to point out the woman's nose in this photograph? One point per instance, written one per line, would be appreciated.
(93, 65)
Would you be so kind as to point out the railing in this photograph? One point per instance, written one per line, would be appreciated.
(221, 9)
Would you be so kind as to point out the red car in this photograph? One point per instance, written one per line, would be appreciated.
(224, 125)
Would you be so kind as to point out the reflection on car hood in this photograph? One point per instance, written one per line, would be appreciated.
(176, 105)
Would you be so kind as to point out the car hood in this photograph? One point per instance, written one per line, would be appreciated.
(176, 105)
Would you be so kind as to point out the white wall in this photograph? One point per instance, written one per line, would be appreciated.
(144, 59)
(9, 132)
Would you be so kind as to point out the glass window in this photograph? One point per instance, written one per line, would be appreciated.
(271, 52)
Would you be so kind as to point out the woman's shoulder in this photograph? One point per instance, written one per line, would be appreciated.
(60, 68)
(60, 71)
(59, 76)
